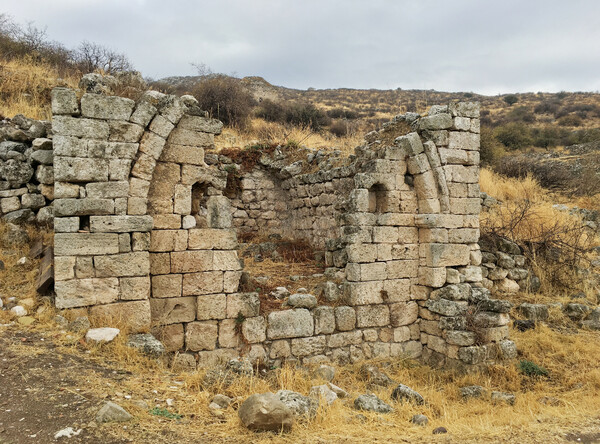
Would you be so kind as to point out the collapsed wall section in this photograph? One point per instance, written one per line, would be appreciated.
(145, 231)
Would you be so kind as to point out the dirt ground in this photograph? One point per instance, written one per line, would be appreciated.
(45, 388)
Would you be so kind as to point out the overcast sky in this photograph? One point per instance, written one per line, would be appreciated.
(484, 46)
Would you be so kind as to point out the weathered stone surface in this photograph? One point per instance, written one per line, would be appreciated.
(88, 128)
(173, 310)
(201, 335)
(472, 391)
(265, 412)
(298, 300)
(246, 304)
(300, 405)
(535, 312)
(84, 292)
(64, 101)
(106, 107)
(372, 403)
(403, 393)
(290, 324)
(120, 224)
(126, 264)
(323, 392)
(100, 335)
(146, 344)
(135, 314)
(112, 412)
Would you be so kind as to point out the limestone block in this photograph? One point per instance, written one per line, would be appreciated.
(85, 244)
(463, 141)
(167, 285)
(88, 128)
(66, 224)
(166, 221)
(83, 207)
(143, 113)
(228, 334)
(107, 190)
(168, 240)
(173, 110)
(418, 164)
(201, 335)
(213, 306)
(195, 284)
(34, 201)
(161, 126)
(182, 199)
(246, 304)
(137, 206)
(411, 144)
(358, 201)
(135, 314)
(216, 358)
(181, 136)
(98, 106)
(134, 288)
(465, 206)
(9, 204)
(436, 122)
(396, 290)
(74, 169)
(84, 267)
(211, 238)
(464, 109)
(254, 329)
(290, 324)
(324, 320)
(64, 268)
(432, 276)
(160, 263)
(362, 293)
(403, 313)
(346, 338)
(372, 316)
(225, 260)
(152, 145)
(200, 124)
(193, 155)
(219, 212)
(173, 310)
(191, 261)
(453, 156)
(362, 253)
(62, 190)
(231, 281)
(401, 334)
(280, 349)
(125, 264)
(64, 101)
(445, 307)
(375, 271)
(402, 269)
(118, 169)
(308, 346)
(171, 336)
(345, 318)
(120, 224)
(144, 167)
(120, 131)
(445, 255)
(426, 186)
(83, 292)
(138, 187)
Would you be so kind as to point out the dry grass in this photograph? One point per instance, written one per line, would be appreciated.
(269, 133)
(25, 87)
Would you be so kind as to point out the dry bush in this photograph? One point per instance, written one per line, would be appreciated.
(556, 242)
(225, 99)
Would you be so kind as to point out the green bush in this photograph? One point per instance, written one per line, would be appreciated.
(530, 369)
(570, 120)
(511, 99)
(491, 150)
(514, 135)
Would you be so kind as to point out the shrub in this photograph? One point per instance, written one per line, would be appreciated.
(570, 120)
(513, 135)
(521, 114)
(529, 368)
(271, 111)
(225, 99)
(341, 113)
(511, 99)
(546, 107)
(491, 150)
(339, 128)
(307, 115)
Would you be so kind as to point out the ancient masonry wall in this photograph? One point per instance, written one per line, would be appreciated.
(145, 232)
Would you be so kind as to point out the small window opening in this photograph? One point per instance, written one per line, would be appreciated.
(378, 200)
(409, 180)
(84, 223)
(199, 199)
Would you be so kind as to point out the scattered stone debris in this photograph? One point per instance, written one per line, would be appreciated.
(101, 335)
(374, 376)
(535, 312)
(372, 403)
(421, 420)
(112, 412)
(324, 392)
(498, 397)
(298, 404)
(147, 344)
(404, 393)
(299, 300)
(440, 430)
(26, 320)
(264, 411)
(472, 391)
(221, 401)
(241, 366)
(280, 293)
(80, 324)
(68, 432)
(61, 321)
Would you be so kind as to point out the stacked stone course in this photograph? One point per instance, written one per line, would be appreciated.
(145, 232)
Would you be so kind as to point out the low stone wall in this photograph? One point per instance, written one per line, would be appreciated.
(26, 172)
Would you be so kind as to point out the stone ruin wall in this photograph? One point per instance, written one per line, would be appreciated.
(145, 231)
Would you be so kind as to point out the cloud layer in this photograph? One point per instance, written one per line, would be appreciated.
(488, 47)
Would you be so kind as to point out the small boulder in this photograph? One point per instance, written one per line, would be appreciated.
(18, 311)
(323, 391)
(524, 325)
(112, 412)
(374, 376)
(61, 321)
(472, 391)
(576, 312)
(421, 420)
(535, 312)
(101, 335)
(325, 372)
(498, 397)
(300, 300)
(372, 403)
(147, 344)
(240, 366)
(298, 404)
(221, 401)
(440, 430)
(405, 393)
(80, 324)
(280, 293)
(340, 392)
(264, 411)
